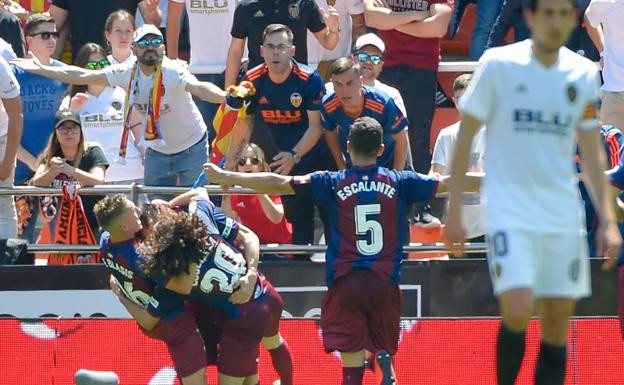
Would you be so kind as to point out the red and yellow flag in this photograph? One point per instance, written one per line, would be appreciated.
(225, 119)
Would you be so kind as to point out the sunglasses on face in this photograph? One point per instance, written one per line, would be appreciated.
(66, 129)
(363, 57)
(46, 35)
(155, 42)
(252, 159)
(95, 64)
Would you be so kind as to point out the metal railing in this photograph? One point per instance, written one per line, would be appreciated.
(135, 189)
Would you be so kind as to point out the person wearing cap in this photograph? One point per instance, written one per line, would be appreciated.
(68, 159)
(369, 51)
(160, 89)
(351, 100)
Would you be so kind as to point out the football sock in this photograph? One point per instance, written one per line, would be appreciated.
(509, 355)
(282, 363)
(352, 376)
(551, 364)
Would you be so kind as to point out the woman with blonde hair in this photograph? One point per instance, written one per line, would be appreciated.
(68, 159)
(262, 213)
(118, 31)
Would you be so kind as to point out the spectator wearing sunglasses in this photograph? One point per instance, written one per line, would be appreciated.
(351, 100)
(101, 111)
(160, 89)
(41, 98)
(369, 51)
(264, 214)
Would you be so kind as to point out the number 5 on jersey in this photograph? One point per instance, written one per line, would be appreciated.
(364, 225)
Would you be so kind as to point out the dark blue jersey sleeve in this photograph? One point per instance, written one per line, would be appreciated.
(314, 92)
(417, 188)
(215, 220)
(165, 303)
(395, 121)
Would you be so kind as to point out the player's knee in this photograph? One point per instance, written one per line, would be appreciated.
(353, 359)
(272, 342)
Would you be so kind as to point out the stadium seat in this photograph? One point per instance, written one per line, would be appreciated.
(425, 235)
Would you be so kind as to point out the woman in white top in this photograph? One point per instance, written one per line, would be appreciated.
(118, 30)
(101, 111)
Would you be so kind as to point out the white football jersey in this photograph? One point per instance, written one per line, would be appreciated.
(531, 113)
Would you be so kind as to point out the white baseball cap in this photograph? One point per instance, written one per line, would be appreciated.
(144, 30)
(370, 39)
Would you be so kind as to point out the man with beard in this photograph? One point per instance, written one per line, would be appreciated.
(161, 91)
(352, 100)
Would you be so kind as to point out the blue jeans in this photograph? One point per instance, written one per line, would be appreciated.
(179, 169)
(487, 12)
(209, 110)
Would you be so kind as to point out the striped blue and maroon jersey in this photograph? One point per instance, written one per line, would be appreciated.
(367, 209)
(378, 106)
(123, 261)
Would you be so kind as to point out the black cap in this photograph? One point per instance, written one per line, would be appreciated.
(65, 115)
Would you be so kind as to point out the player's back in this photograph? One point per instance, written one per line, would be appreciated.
(123, 261)
(531, 113)
(367, 209)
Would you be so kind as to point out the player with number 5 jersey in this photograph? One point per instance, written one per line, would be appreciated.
(367, 206)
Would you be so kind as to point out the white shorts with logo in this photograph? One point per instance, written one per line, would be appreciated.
(552, 265)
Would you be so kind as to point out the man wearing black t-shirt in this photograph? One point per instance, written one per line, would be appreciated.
(86, 18)
(253, 16)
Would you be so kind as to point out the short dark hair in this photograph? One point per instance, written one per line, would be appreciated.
(108, 209)
(366, 136)
(277, 28)
(344, 64)
(532, 4)
(461, 82)
(176, 241)
(35, 20)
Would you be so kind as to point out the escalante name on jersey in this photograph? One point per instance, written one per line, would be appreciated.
(366, 186)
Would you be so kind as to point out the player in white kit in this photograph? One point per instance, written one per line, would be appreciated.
(536, 98)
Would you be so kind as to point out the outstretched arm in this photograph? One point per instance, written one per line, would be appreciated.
(265, 182)
(205, 90)
(65, 74)
(472, 184)
(245, 286)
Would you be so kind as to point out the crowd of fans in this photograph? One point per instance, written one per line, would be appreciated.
(372, 58)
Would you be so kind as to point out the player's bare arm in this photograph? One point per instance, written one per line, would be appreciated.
(608, 239)
(454, 231)
(205, 90)
(65, 74)
(241, 132)
(140, 315)
(434, 26)
(379, 15)
(472, 185)
(284, 161)
(333, 143)
(264, 182)
(245, 286)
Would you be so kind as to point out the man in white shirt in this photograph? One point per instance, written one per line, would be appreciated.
(176, 159)
(473, 208)
(351, 25)
(10, 134)
(604, 25)
(208, 55)
(535, 97)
